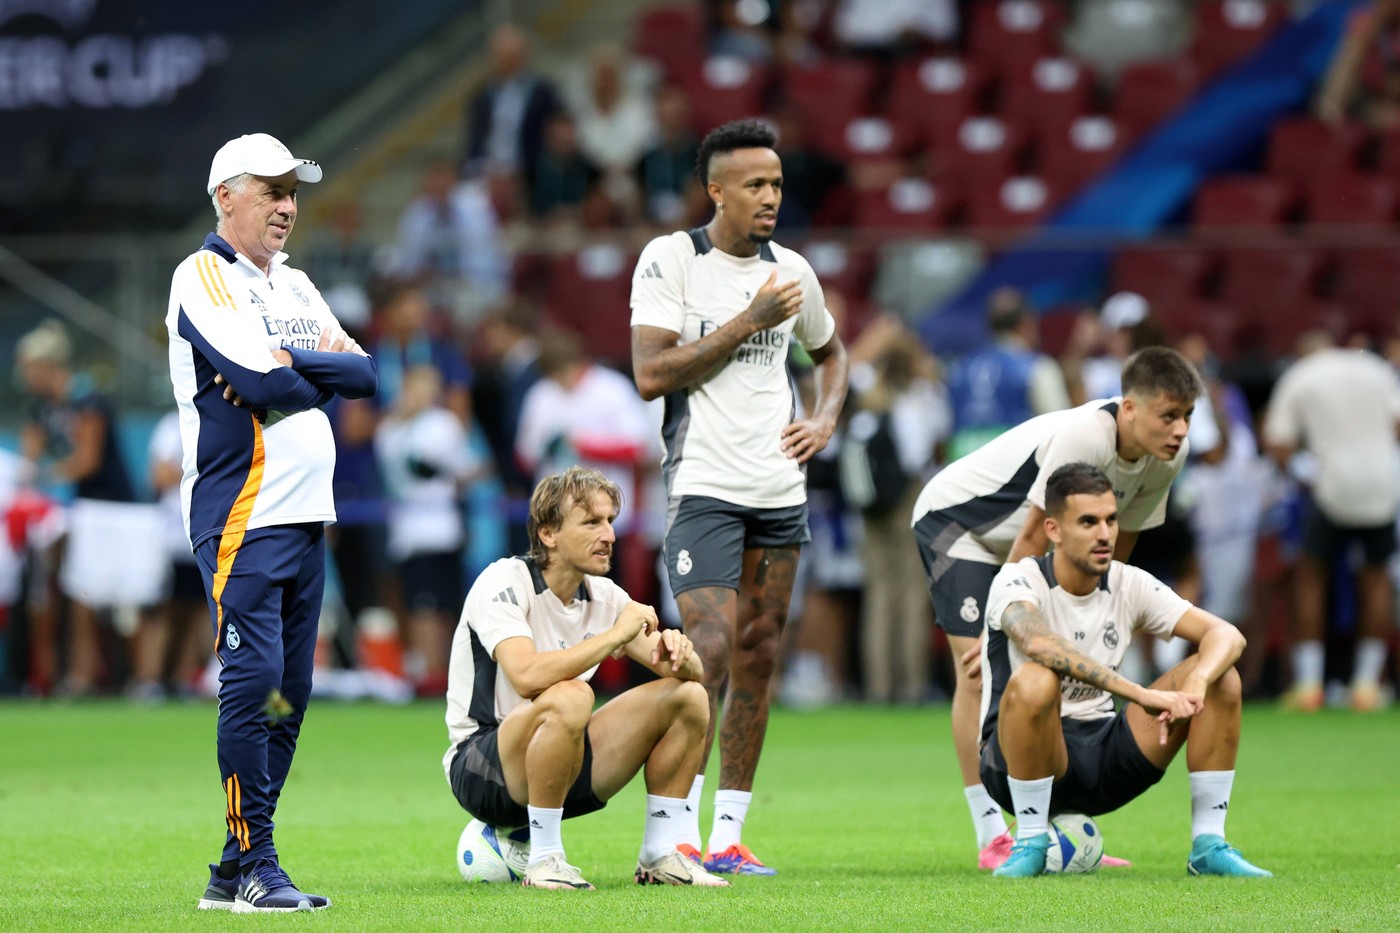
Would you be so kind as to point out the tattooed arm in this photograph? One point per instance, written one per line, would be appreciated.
(1024, 624)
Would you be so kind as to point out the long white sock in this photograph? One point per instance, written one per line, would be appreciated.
(986, 814)
(1307, 662)
(1370, 659)
(1210, 801)
(731, 809)
(690, 822)
(1032, 802)
(545, 837)
(665, 822)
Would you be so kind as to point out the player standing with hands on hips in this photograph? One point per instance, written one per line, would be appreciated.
(254, 354)
(713, 311)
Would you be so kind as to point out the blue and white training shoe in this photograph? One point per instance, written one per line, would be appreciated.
(220, 893)
(1027, 858)
(1212, 855)
(267, 889)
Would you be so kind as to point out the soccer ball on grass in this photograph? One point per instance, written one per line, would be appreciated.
(486, 853)
(1076, 845)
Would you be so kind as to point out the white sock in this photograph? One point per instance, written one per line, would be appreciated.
(544, 831)
(1210, 801)
(1307, 662)
(986, 814)
(690, 822)
(1032, 802)
(731, 809)
(665, 822)
(1370, 659)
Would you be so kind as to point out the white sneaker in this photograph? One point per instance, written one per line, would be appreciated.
(675, 868)
(555, 874)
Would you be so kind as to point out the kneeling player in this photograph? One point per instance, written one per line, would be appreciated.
(1057, 629)
(527, 746)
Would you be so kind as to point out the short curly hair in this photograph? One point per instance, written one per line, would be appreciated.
(740, 134)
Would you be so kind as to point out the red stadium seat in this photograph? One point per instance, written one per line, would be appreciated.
(1278, 336)
(875, 139)
(1388, 152)
(1227, 30)
(829, 95)
(1048, 92)
(1014, 202)
(984, 149)
(1172, 274)
(1245, 201)
(1367, 286)
(1213, 320)
(723, 88)
(1352, 200)
(841, 267)
(1261, 283)
(673, 36)
(1148, 92)
(1056, 327)
(936, 94)
(1072, 154)
(1304, 148)
(590, 292)
(909, 206)
(1005, 32)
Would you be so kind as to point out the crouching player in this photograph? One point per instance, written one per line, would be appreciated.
(527, 745)
(1057, 630)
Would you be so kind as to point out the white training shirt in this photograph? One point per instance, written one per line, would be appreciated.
(988, 493)
(1101, 625)
(425, 512)
(508, 600)
(722, 434)
(226, 317)
(1343, 405)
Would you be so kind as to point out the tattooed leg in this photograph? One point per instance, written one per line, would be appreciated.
(764, 592)
(707, 617)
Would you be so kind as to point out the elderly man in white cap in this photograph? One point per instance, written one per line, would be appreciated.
(254, 353)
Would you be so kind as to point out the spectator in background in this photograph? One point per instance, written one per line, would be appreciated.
(344, 263)
(809, 177)
(423, 452)
(506, 120)
(410, 339)
(70, 439)
(510, 367)
(885, 27)
(743, 29)
(616, 121)
(1363, 79)
(901, 417)
(1007, 381)
(1343, 406)
(671, 194)
(449, 242)
(563, 176)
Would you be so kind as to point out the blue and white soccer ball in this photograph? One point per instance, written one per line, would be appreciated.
(485, 853)
(1076, 845)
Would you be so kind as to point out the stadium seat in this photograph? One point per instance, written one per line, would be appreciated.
(935, 95)
(1148, 92)
(846, 271)
(1388, 152)
(1213, 320)
(1352, 201)
(1305, 148)
(590, 292)
(724, 88)
(1056, 327)
(1048, 92)
(982, 150)
(829, 95)
(1367, 286)
(1278, 336)
(1171, 274)
(1005, 32)
(1013, 202)
(1071, 154)
(1227, 30)
(909, 206)
(1261, 283)
(875, 139)
(1244, 201)
(672, 36)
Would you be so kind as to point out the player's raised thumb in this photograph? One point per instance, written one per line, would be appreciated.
(772, 279)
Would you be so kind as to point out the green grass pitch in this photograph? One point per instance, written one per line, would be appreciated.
(109, 813)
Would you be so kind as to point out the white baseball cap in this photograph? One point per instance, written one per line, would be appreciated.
(1125, 309)
(258, 154)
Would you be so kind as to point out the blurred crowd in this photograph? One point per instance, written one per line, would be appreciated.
(483, 388)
